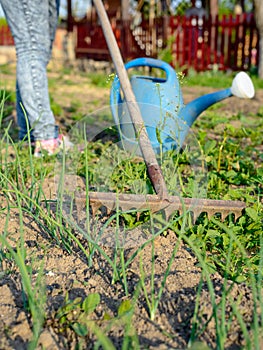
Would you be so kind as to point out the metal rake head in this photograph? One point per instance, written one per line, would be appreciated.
(153, 203)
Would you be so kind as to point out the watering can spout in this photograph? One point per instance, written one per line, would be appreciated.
(242, 87)
(191, 111)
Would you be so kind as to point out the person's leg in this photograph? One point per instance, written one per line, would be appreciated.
(53, 20)
(20, 114)
(22, 119)
(30, 26)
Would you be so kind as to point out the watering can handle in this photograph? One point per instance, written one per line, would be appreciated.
(171, 76)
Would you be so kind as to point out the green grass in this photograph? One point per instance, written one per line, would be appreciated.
(233, 157)
(214, 79)
(218, 79)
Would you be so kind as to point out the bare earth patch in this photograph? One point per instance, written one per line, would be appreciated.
(69, 273)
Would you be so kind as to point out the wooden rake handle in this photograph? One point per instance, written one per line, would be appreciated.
(147, 151)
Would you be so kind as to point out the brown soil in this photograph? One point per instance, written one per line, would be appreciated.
(69, 273)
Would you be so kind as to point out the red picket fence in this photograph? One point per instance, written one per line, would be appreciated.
(90, 42)
(133, 41)
(6, 38)
(229, 42)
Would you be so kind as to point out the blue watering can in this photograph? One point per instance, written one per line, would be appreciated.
(166, 118)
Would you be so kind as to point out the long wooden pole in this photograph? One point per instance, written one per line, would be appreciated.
(147, 151)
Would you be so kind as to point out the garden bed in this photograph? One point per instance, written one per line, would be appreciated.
(196, 285)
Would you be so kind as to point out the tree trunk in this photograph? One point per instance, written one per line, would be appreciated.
(213, 8)
(213, 12)
(125, 9)
(242, 3)
(259, 20)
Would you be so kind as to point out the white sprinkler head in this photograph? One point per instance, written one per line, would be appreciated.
(242, 86)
